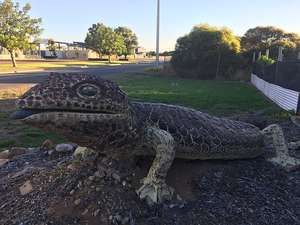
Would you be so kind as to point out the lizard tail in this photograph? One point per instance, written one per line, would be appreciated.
(275, 133)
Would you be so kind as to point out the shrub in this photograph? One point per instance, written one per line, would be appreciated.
(265, 61)
(207, 53)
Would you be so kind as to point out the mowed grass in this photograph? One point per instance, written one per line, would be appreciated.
(222, 98)
(47, 65)
(16, 134)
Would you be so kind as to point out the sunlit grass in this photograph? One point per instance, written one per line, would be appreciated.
(13, 91)
(57, 65)
(216, 97)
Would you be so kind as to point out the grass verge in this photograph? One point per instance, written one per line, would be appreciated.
(223, 98)
(22, 66)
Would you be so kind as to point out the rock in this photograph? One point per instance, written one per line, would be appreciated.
(72, 192)
(91, 178)
(26, 188)
(5, 154)
(85, 212)
(27, 170)
(47, 145)
(50, 152)
(83, 152)
(72, 167)
(294, 145)
(116, 177)
(79, 185)
(96, 212)
(15, 151)
(3, 162)
(99, 174)
(65, 148)
(77, 201)
(98, 189)
(31, 149)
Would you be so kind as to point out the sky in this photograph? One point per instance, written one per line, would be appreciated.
(69, 20)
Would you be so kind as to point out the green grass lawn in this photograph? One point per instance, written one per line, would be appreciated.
(217, 97)
(222, 98)
(16, 134)
(21, 66)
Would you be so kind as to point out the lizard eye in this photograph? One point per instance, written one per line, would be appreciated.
(88, 91)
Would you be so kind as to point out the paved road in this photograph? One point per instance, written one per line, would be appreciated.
(36, 77)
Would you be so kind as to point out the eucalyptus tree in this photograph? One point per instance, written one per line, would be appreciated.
(17, 28)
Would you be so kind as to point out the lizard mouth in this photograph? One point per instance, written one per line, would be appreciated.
(24, 113)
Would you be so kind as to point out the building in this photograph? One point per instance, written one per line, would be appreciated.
(140, 52)
(49, 49)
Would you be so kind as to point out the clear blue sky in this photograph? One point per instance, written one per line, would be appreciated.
(68, 20)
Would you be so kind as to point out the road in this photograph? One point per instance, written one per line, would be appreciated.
(37, 77)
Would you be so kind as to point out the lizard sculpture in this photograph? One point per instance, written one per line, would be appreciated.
(96, 113)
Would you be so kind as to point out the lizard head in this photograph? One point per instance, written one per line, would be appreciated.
(82, 107)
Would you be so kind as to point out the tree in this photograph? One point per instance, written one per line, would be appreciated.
(104, 40)
(207, 53)
(151, 54)
(52, 47)
(113, 43)
(130, 40)
(17, 28)
(262, 38)
(95, 38)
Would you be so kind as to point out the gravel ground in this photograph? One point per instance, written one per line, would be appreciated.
(67, 191)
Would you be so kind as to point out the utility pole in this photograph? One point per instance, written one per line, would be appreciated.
(157, 33)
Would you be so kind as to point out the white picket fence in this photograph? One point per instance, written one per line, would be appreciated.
(285, 98)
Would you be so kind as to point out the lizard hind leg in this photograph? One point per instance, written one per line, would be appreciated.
(154, 189)
(282, 158)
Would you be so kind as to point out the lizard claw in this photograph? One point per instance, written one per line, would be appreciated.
(155, 192)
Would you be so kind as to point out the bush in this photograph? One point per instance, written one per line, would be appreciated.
(207, 53)
(265, 61)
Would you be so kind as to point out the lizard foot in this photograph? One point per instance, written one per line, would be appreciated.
(155, 192)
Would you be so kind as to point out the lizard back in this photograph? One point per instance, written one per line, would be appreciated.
(199, 135)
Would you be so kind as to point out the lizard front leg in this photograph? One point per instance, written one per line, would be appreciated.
(154, 189)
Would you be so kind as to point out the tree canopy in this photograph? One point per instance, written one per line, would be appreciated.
(269, 37)
(17, 28)
(207, 53)
(106, 40)
(130, 40)
(95, 38)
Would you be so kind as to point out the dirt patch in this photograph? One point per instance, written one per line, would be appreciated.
(213, 192)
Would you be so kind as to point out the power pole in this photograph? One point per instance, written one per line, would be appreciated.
(157, 33)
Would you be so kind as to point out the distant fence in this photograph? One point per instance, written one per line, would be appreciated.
(285, 74)
(285, 98)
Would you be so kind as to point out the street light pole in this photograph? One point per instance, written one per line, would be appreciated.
(157, 33)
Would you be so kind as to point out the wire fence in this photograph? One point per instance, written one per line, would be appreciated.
(285, 74)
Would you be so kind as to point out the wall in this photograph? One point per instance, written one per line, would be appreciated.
(285, 98)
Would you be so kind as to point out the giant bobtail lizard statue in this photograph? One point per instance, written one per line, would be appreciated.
(96, 113)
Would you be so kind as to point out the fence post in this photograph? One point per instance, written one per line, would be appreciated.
(259, 55)
(298, 108)
(254, 57)
(267, 53)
